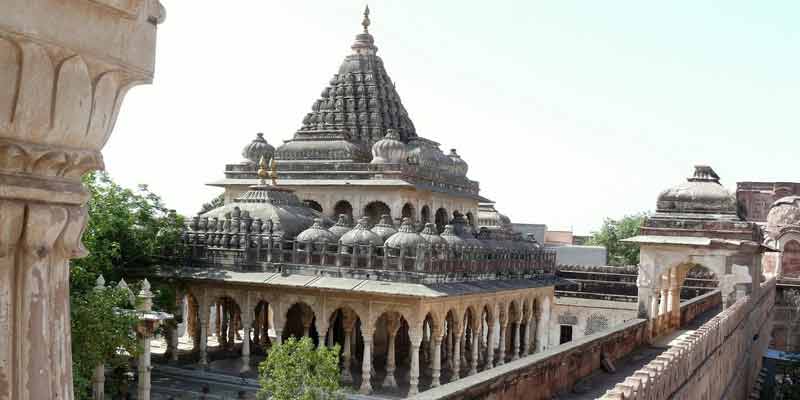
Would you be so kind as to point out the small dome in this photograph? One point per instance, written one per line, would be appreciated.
(258, 148)
(341, 227)
(385, 228)
(360, 235)
(405, 238)
(459, 166)
(449, 236)
(427, 154)
(701, 194)
(782, 213)
(316, 234)
(431, 236)
(389, 150)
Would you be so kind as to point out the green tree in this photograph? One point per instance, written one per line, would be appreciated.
(100, 334)
(218, 201)
(295, 369)
(126, 230)
(611, 234)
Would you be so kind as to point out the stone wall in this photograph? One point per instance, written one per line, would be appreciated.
(690, 309)
(719, 360)
(543, 375)
(588, 316)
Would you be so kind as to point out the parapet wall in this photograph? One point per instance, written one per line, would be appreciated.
(692, 308)
(544, 375)
(719, 360)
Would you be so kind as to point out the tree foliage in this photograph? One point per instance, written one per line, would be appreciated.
(296, 369)
(218, 201)
(126, 230)
(611, 234)
(100, 334)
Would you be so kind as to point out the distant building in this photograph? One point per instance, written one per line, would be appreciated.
(537, 230)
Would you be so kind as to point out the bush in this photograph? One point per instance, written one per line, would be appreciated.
(295, 369)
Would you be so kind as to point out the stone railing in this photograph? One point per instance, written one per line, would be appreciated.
(426, 263)
(544, 375)
(719, 360)
(690, 309)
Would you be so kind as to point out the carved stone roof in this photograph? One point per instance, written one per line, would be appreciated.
(316, 234)
(700, 194)
(784, 212)
(341, 227)
(405, 237)
(430, 234)
(361, 235)
(384, 228)
(361, 102)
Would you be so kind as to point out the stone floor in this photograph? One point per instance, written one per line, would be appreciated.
(596, 384)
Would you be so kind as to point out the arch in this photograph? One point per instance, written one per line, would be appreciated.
(227, 320)
(441, 219)
(374, 210)
(263, 323)
(343, 207)
(313, 205)
(345, 330)
(300, 321)
(425, 214)
(697, 280)
(409, 212)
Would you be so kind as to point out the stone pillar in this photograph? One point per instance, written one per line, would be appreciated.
(662, 305)
(489, 344)
(456, 356)
(366, 362)
(204, 317)
(322, 330)
(347, 377)
(526, 343)
(389, 381)
(65, 66)
(247, 322)
(416, 339)
(231, 315)
(475, 344)
(436, 370)
(654, 314)
(675, 307)
(501, 356)
(516, 334)
(99, 382)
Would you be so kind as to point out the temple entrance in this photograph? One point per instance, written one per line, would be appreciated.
(373, 211)
(343, 207)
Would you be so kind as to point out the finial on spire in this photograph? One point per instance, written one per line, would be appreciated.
(262, 169)
(273, 173)
(365, 21)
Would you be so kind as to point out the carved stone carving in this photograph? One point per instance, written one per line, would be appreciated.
(65, 66)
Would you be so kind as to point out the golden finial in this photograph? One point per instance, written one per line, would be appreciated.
(273, 165)
(262, 169)
(365, 21)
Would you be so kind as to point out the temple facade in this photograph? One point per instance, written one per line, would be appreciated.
(360, 233)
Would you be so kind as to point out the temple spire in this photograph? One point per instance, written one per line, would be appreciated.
(365, 22)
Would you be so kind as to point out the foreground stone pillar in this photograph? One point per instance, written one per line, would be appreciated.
(347, 377)
(489, 345)
(246, 324)
(501, 355)
(99, 382)
(366, 362)
(416, 340)
(456, 357)
(389, 381)
(203, 319)
(65, 66)
(437, 362)
(515, 342)
(474, 345)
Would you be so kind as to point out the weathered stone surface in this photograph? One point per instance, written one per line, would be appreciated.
(65, 67)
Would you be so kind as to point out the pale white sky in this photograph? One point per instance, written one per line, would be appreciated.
(566, 111)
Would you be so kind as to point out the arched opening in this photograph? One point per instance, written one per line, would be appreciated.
(300, 320)
(488, 339)
(192, 321)
(313, 205)
(425, 214)
(226, 318)
(512, 342)
(427, 351)
(470, 343)
(451, 360)
(391, 351)
(345, 331)
(409, 212)
(699, 281)
(374, 210)
(441, 219)
(343, 207)
(263, 332)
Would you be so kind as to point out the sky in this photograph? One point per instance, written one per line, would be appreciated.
(568, 112)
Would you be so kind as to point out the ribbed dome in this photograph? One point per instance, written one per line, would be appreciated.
(342, 226)
(316, 234)
(459, 166)
(405, 238)
(389, 150)
(258, 148)
(701, 194)
(384, 228)
(360, 235)
(431, 236)
(783, 212)
(427, 154)
(449, 236)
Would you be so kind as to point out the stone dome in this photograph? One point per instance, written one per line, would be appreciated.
(384, 228)
(701, 194)
(449, 236)
(258, 148)
(405, 238)
(341, 227)
(459, 166)
(427, 154)
(389, 150)
(316, 234)
(360, 235)
(782, 213)
(431, 236)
